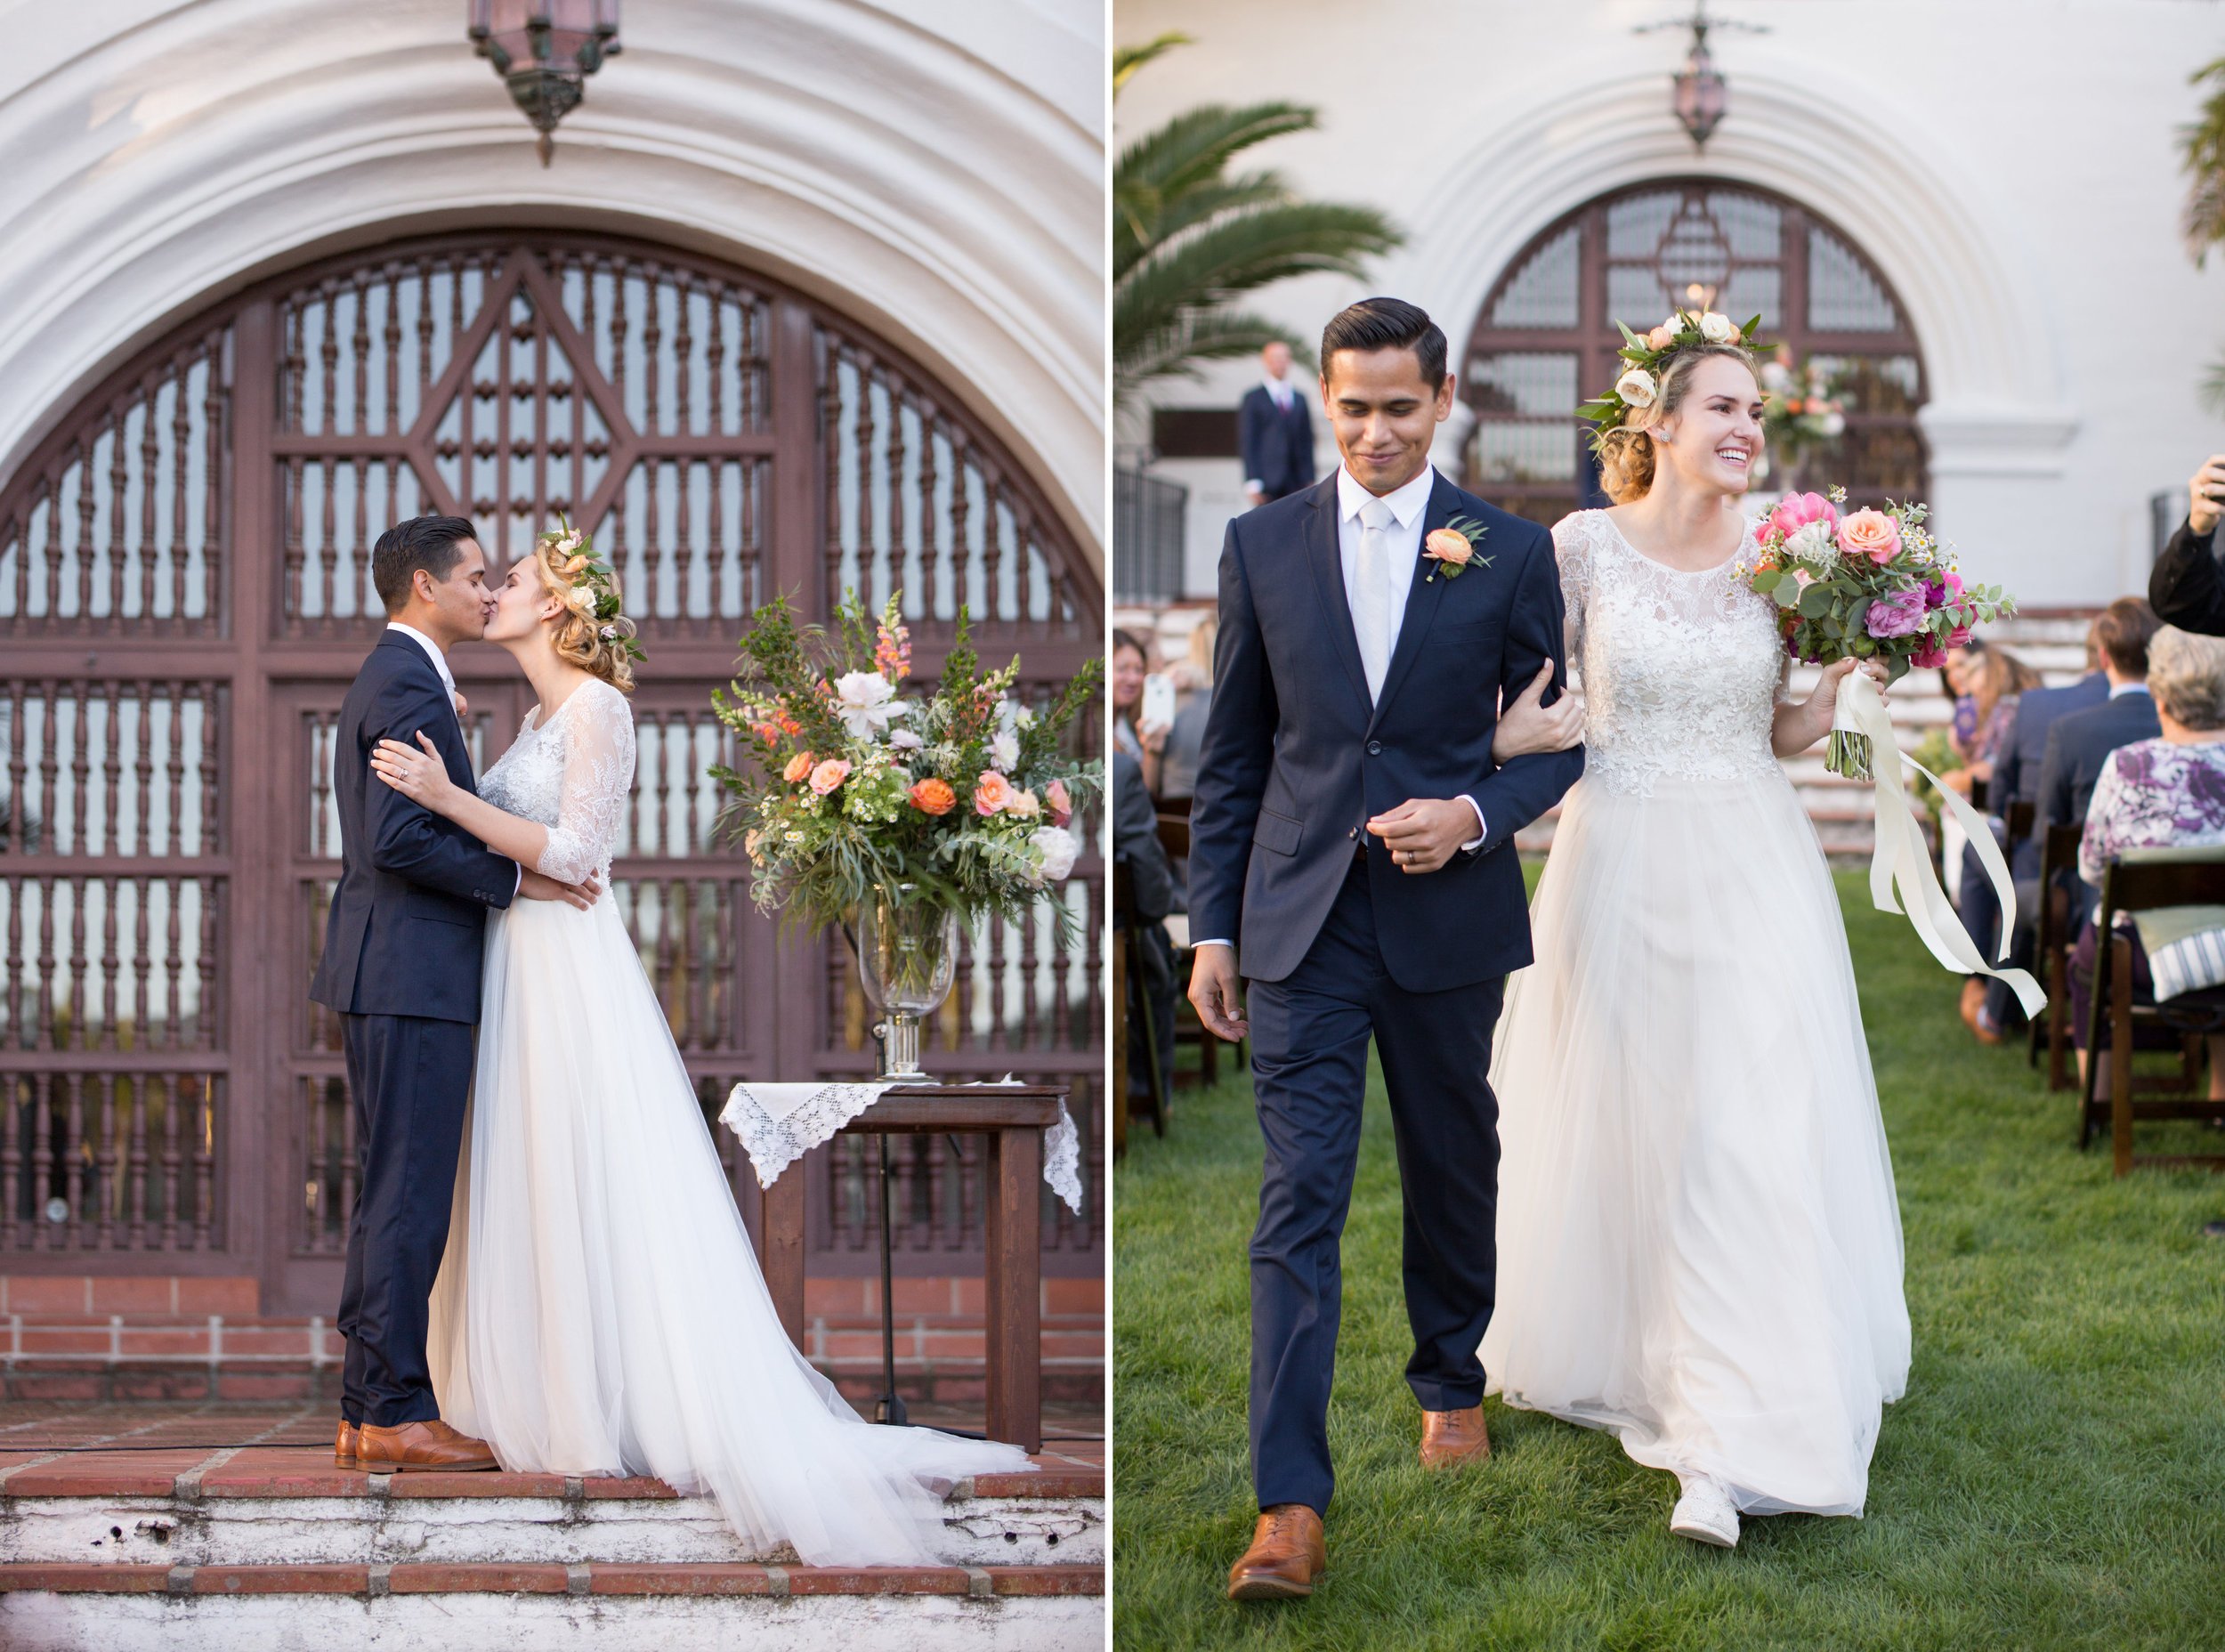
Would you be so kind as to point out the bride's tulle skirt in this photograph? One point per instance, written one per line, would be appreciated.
(1699, 1248)
(600, 1308)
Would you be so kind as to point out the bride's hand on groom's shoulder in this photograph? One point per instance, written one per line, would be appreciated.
(1528, 725)
(418, 775)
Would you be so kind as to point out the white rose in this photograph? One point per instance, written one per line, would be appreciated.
(581, 599)
(1675, 323)
(1834, 424)
(861, 701)
(1814, 543)
(1004, 751)
(1059, 849)
(1718, 329)
(1637, 388)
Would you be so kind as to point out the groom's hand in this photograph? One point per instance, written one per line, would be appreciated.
(1425, 832)
(1214, 993)
(534, 885)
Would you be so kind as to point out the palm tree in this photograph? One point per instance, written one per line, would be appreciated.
(1189, 238)
(2203, 146)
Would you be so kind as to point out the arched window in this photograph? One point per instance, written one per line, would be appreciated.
(185, 596)
(1546, 339)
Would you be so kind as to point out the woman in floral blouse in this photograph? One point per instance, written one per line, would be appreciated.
(2166, 793)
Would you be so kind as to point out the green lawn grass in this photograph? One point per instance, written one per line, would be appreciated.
(2055, 1476)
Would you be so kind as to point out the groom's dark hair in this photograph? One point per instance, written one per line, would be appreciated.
(1386, 324)
(426, 542)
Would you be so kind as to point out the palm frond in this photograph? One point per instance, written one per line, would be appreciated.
(1242, 253)
(2203, 147)
(1200, 335)
(2214, 386)
(1195, 146)
(1141, 221)
(1127, 59)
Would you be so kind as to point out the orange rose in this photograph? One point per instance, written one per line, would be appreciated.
(798, 766)
(1449, 547)
(1871, 534)
(933, 797)
(992, 793)
(829, 774)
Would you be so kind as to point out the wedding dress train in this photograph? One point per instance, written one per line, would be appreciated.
(600, 1310)
(1699, 1248)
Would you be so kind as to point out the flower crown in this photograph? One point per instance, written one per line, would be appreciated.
(592, 585)
(1647, 355)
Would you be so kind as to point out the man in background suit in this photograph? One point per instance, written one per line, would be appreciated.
(1273, 432)
(2081, 742)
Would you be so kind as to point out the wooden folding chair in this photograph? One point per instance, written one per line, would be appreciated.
(2117, 1022)
(1129, 945)
(2051, 956)
(1174, 837)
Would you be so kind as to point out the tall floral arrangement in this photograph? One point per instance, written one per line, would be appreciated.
(856, 786)
(1805, 408)
(1866, 585)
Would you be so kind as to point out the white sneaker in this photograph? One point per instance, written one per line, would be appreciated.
(1704, 1514)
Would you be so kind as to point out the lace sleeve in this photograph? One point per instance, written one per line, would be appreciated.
(1572, 551)
(598, 779)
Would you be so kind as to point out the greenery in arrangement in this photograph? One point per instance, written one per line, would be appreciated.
(1190, 236)
(855, 787)
(2202, 150)
(2052, 1479)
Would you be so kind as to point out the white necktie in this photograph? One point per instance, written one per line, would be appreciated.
(1371, 618)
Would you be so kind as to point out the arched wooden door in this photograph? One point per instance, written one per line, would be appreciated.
(185, 593)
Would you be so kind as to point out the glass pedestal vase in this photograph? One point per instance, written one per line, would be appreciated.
(907, 951)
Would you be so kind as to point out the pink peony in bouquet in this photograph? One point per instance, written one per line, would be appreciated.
(1867, 584)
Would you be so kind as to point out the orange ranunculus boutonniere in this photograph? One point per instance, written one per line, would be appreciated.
(1452, 547)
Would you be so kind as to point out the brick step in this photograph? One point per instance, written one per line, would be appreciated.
(271, 1505)
(613, 1608)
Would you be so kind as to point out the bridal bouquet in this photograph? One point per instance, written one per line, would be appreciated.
(857, 787)
(1869, 585)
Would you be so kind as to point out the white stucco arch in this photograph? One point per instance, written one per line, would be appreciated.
(1999, 403)
(940, 181)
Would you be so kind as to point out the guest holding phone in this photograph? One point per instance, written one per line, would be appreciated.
(1134, 730)
(2186, 588)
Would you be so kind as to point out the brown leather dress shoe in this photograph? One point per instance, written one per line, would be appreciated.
(1287, 1554)
(418, 1445)
(343, 1446)
(1449, 1438)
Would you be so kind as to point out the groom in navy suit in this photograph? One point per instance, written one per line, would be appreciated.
(401, 969)
(1352, 838)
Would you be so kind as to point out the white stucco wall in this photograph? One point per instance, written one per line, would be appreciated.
(934, 168)
(2011, 165)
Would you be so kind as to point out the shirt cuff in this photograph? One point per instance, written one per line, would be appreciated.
(1482, 832)
(1253, 481)
(521, 882)
(1195, 944)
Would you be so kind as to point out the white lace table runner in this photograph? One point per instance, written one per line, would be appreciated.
(780, 1123)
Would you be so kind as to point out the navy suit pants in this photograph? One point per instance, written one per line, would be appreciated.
(1309, 1039)
(411, 1077)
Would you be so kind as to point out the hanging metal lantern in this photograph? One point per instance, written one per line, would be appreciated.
(545, 50)
(1702, 94)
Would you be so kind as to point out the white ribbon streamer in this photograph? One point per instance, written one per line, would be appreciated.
(1902, 862)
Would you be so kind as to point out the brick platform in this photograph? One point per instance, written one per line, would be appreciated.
(170, 1526)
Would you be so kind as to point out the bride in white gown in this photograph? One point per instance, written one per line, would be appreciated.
(600, 1310)
(1699, 1247)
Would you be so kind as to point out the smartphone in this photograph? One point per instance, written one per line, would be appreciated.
(1157, 710)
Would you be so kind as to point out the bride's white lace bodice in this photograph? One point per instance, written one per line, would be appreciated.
(573, 775)
(1680, 671)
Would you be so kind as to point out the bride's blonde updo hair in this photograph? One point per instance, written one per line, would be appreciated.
(1626, 452)
(592, 633)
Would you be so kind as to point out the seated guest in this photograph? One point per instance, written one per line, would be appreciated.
(1131, 664)
(2016, 779)
(1151, 987)
(2081, 742)
(2166, 792)
(1178, 764)
(1992, 681)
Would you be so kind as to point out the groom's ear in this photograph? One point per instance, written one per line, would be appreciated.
(1444, 398)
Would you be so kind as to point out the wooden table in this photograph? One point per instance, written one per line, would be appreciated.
(1013, 1118)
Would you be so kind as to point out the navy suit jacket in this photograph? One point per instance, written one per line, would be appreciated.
(2079, 745)
(409, 923)
(1296, 760)
(1277, 444)
(2022, 756)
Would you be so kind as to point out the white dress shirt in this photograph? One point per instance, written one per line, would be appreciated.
(2118, 689)
(447, 681)
(1409, 503)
